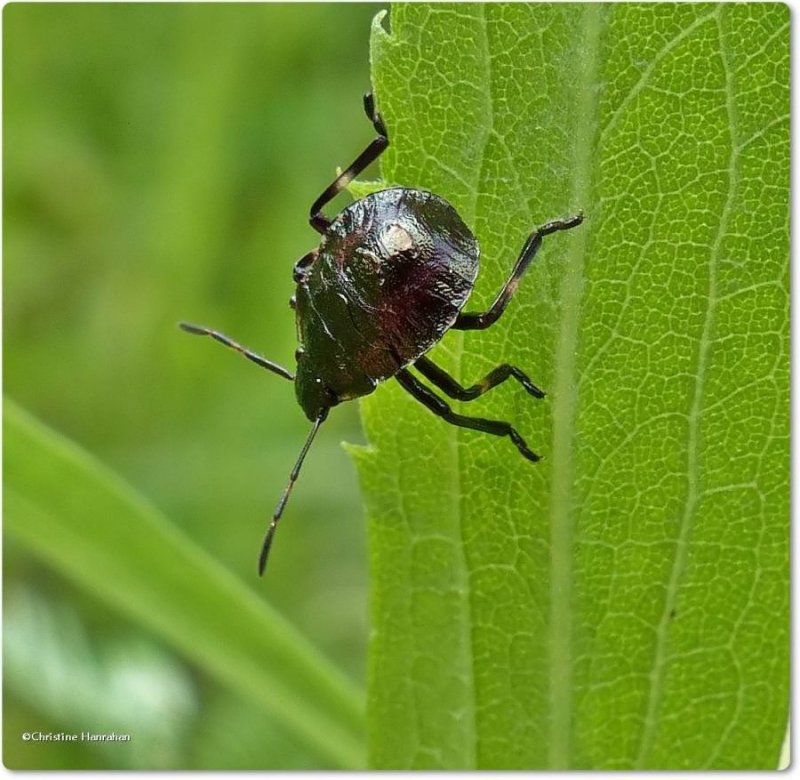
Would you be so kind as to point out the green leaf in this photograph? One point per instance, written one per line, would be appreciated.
(71, 511)
(623, 603)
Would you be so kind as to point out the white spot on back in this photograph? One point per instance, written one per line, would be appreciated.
(396, 239)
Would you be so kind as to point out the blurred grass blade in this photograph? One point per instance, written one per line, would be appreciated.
(624, 603)
(93, 528)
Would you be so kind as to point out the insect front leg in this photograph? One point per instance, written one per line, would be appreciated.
(318, 220)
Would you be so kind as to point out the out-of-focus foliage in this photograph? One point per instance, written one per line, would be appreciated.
(159, 163)
(86, 523)
(127, 684)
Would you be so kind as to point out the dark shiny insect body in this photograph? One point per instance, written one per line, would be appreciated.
(389, 278)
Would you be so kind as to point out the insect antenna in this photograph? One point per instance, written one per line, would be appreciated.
(262, 560)
(199, 330)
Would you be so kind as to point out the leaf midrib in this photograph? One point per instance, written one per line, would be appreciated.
(470, 738)
(565, 402)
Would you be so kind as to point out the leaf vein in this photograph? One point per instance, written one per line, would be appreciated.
(694, 490)
(648, 71)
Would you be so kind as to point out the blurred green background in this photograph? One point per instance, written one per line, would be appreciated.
(159, 164)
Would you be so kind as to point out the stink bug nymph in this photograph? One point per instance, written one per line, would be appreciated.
(390, 276)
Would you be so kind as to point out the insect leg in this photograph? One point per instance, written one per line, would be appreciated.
(199, 330)
(276, 515)
(481, 320)
(440, 408)
(496, 376)
(318, 220)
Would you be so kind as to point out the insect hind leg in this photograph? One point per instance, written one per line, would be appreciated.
(432, 401)
(495, 377)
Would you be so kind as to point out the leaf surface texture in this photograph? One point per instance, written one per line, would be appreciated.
(623, 603)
